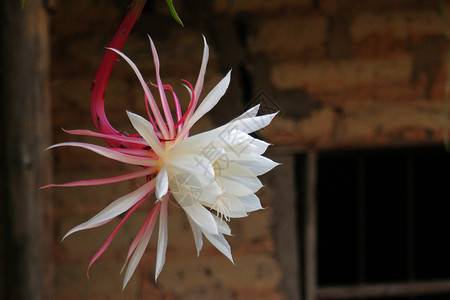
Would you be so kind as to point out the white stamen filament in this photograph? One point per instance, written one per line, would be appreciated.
(222, 206)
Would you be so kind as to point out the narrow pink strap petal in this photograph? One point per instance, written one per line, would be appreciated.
(92, 182)
(150, 115)
(140, 248)
(162, 94)
(120, 138)
(190, 107)
(177, 104)
(140, 234)
(138, 152)
(148, 94)
(113, 234)
(116, 208)
(175, 99)
(107, 152)
(201, 75)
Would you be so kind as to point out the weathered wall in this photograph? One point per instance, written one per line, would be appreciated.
(342, 72)
(370, 72)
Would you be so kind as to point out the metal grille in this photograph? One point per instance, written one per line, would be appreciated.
(376, 225)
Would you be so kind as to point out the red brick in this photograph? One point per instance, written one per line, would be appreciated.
(291, 36)
(258, 6)
(383, 121)
(400, 24)
(251, 271)
(316, 129)
(328, 76)
(66, 18)
(72, 283)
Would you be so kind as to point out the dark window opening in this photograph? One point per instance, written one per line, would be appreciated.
(382, 217)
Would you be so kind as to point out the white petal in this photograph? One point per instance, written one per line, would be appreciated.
(200, 169)
(201, 74)
(253, 183)
(162, 183)
(239, 186)
(220, 243)
(251, 202)
(222, 226)
(197, 232)
(210, 194)
(146, 130)
(258, 165)
(236, 207)
(162, 238)
(249, 125)
(115, 208)
(203, 139)
(196, 142)
(232, 168)
(208, 103)
(249, 113)
(259, 146)
(235, 141)
(202, 217)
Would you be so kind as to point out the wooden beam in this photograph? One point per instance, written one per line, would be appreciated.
(310, 276)
(384, 290)
(286, 223)
(24, 114)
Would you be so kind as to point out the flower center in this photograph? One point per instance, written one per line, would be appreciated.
(219, 166)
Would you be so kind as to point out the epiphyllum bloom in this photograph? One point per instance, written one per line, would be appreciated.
(211, 175)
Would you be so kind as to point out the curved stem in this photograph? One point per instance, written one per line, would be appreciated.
(104, 71)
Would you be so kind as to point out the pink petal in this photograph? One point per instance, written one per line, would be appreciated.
(92, 182)
(116, 208)
(162, 94)
(107, 152)
(119, 138)
(113, 234)
(148, 94)
(142, 244)
(201, 76)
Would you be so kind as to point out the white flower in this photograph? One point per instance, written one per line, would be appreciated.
(211, 175)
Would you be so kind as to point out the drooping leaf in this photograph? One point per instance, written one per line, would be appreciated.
(173, 12)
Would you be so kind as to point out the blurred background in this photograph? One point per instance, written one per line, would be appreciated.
(358, 208)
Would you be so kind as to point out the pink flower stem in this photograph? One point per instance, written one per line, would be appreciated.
(104, 71)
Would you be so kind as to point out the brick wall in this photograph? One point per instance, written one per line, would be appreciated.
(342, 72)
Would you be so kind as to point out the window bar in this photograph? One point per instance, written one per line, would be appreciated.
(311, 228)
(361, 220)
(411, 218)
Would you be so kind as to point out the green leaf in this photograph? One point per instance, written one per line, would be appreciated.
(23, 4)
(172, 11)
